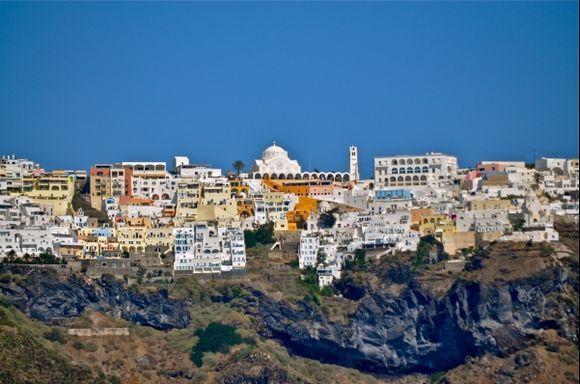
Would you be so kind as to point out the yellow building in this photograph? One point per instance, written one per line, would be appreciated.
(50, 191)
(132, 239)
(160, 236)
(486, 204)
(238, 188)
(437, 225)
(188, 199)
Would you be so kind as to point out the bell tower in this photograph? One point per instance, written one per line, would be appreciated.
(353, 163)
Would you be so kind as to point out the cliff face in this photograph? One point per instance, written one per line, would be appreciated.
(415, 332)
(44, 296)
(388, 333)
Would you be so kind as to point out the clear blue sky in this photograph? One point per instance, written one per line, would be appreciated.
(82, 83)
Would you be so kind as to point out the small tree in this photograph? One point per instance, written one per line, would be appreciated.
(326, 220)
(265, 233)
(238, 166)
(249, 238)
(300, 222)
(359, 258)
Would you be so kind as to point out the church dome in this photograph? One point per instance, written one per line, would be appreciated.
(274, 151)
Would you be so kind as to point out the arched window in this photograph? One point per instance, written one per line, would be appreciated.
(402, 162)
(395, 162)
(410, 170)
(417, 169)
(402, 170)
(394, 171)
(425, 169)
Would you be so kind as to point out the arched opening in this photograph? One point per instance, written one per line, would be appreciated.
(417, 169)
(402, 162)
(394, 171)
(407, 178)
(417, 161)
(290, 176)
(159, 167)
(266, 176)
(402, 171)
(393, 179)
(314, 176)
(346, 177)
(274, 176)
(155, 196)
(281, 176)
(298, 176)
(330, 177)
(410, 170)
(415, 178)
(395, 162)
(338, 178)
(165, 196)
(149, 167)
(257, 176)
(425, 169)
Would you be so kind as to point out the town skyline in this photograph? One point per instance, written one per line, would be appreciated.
(366, 173)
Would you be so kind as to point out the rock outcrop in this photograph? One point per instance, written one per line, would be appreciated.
(44, 296)
(416, 332)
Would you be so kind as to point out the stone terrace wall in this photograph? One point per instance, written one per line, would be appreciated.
(85, 332)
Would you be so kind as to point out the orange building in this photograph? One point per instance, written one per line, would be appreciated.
(303, 208)
(302, 188)
(417, 214)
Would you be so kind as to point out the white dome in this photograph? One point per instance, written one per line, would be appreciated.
(274, 151)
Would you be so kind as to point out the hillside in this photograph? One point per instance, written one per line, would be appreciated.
(512, 316)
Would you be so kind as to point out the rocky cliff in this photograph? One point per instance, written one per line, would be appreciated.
(416, 332)
(410, 330)
(42, 295)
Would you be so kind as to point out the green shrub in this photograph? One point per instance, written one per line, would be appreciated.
(216, 337)
(55, 335)
(327, 291)
(326, 220)
(90, 347)
(77, 345)
(249, 238)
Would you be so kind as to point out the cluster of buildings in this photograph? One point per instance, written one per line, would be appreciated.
(195, 215)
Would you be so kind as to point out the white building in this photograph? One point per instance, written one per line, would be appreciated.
(431, 169)
(274, 162)
(205, 249)
(308, 249)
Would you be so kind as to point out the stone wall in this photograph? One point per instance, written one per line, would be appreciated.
(88, 332)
